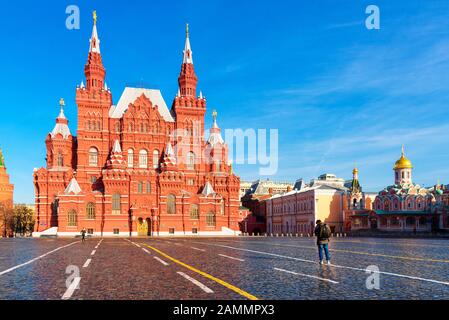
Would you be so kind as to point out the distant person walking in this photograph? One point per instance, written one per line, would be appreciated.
(83, 235)
(323, 233)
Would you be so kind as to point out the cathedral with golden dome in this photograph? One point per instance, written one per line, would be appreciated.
(403, 206)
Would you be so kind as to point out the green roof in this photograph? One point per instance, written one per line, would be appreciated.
(360, 215)
(404, 213)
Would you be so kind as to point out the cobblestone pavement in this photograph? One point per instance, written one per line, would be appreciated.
(221, 268)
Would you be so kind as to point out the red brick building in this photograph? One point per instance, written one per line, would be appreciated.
(136, 168)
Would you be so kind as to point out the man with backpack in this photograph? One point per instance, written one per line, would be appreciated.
(83, 235)
(323, 233)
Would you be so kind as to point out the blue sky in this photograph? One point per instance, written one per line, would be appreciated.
(338, 93)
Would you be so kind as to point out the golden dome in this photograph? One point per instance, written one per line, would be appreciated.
(403, 162)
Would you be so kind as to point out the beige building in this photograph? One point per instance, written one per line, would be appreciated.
(297, 210)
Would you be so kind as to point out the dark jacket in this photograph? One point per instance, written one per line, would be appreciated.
(319, 239)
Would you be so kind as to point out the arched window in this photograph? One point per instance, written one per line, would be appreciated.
(143, 159)
(156, 159)
(140, 187)
(130, 158)
(117, 127)
(60, 159)
(93, 157)
(210, 219)
(194, 212)
(171, 204)
(116, 205)
(72, 219)
(190, 161)
(148, 187)
(90, 211)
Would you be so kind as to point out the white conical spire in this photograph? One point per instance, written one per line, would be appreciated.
(117, 148)
(106, 87)
(94, 40)
(215, 132)
(201, 95)
(61, 126)
(187, 49)
(82, 85)
(73, 187)
(61, 113)
(208, 190)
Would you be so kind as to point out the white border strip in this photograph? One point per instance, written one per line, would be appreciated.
(332, 265)
(35, 259)
(86, 264)
(71, 289)
(196, 282)
(161, 261)
(229, 257)
(306, 275)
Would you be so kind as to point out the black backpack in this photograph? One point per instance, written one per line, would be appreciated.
(325, 232)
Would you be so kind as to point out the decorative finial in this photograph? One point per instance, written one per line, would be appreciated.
(214, 115)
(94, 14)
(403, 150)
(62, 103)
(187, 30)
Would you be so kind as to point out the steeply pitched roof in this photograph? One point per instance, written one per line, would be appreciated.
(62, 129)
(130, 95)
(73, 187)
(117, 148)
(208, 190)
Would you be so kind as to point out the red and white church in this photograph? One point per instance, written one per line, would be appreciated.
(136, 167)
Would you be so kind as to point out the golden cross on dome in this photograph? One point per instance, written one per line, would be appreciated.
(62, 102)
(94, 14)
(403, 150)
(214, 115)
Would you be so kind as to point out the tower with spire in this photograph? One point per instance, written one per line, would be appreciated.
(94, 101)
(188, 108)
(217, 150)
(403, 170)
(60, 144)
(355, 191)
(6, 187)
(187, 79)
